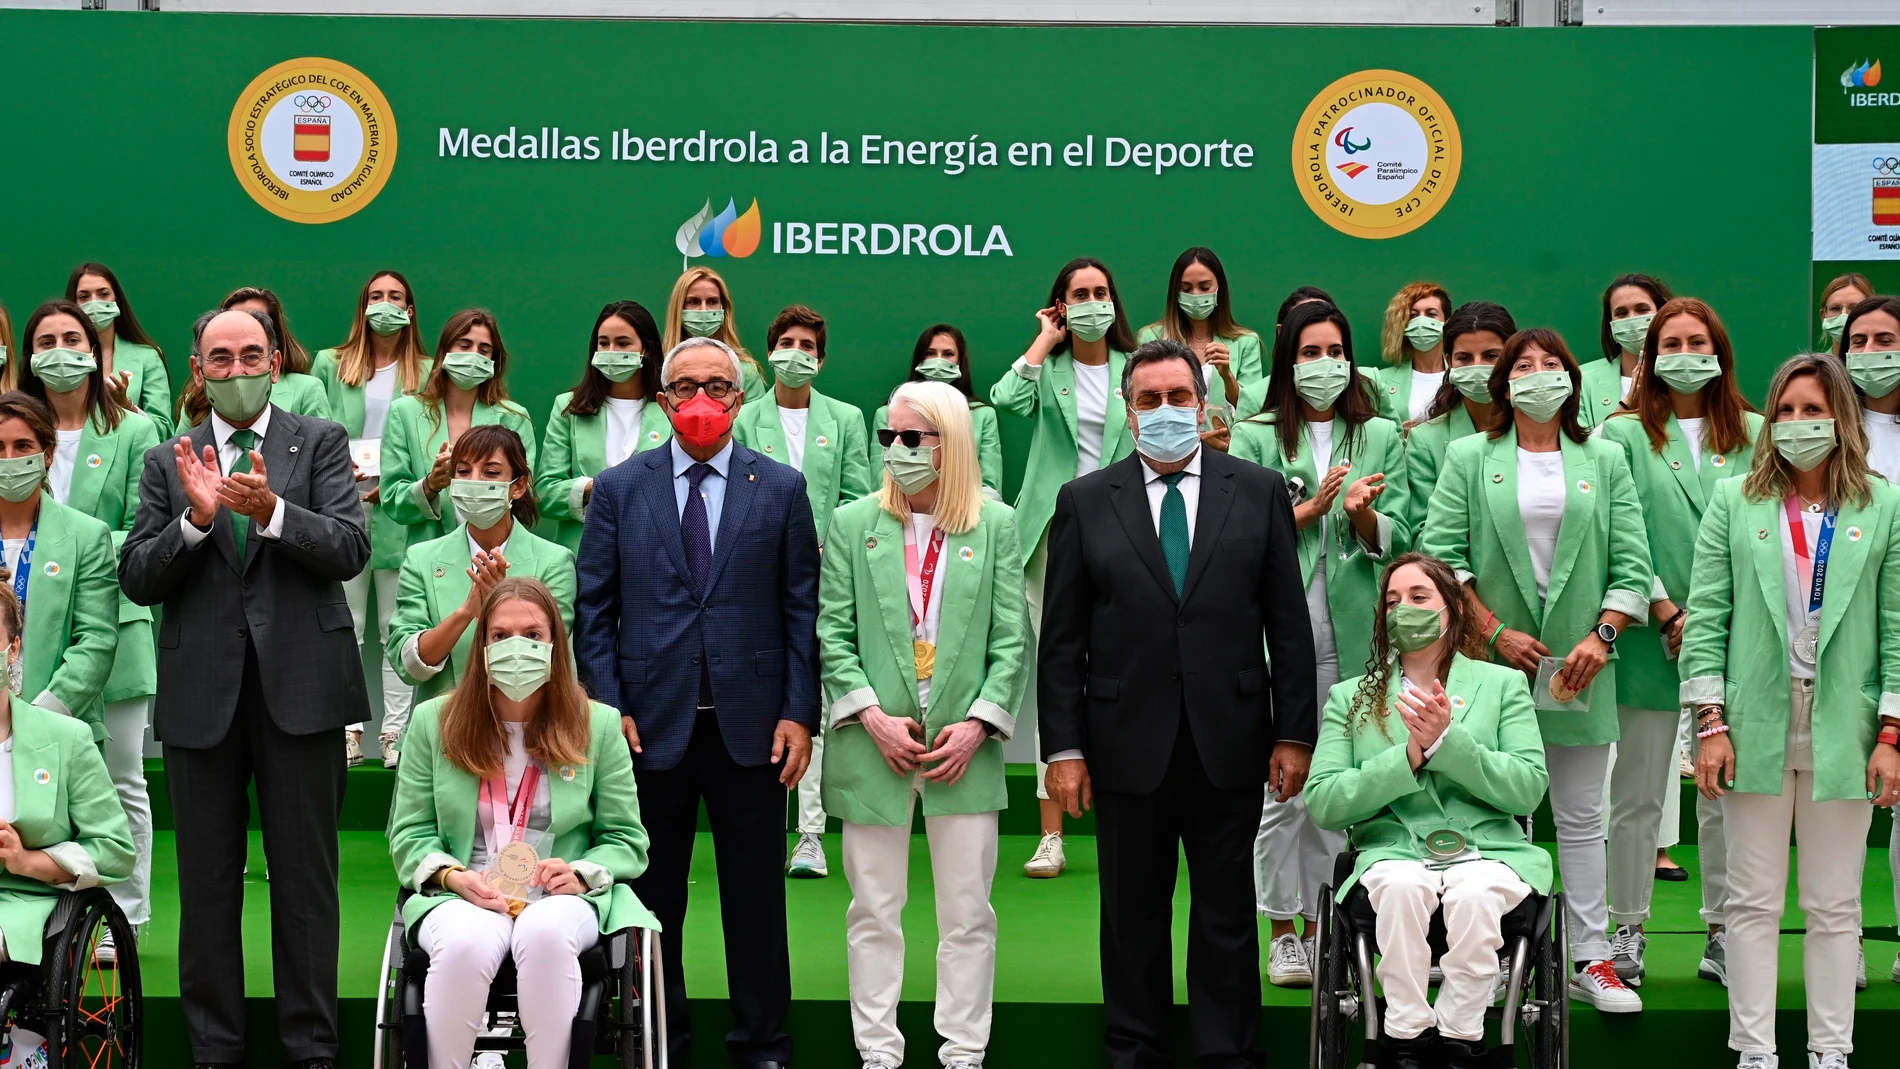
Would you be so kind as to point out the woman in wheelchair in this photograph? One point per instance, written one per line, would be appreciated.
(1432, 798)
(516, 821)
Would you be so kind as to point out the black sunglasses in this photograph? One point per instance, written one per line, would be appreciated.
(911, 439)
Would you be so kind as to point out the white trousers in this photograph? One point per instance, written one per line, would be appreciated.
(1576, 807)
(1035, 572)
(1475, 897)
(125, 763)
(962, 867)
(397, 695)
(811, 798)
(466, 944)
(1292, 856)
(1644, 777)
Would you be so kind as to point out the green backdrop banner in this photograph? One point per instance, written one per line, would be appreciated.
(902, 174)
(1856, 190)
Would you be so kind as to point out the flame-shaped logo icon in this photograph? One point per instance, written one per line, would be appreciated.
(725, 234)
(1353, 170)
(1864, 76)
(1344, 140)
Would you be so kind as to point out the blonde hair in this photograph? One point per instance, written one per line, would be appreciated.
(959, 481)
(728, 332)
(1392, 342)
(10, 374)
(1848, 476)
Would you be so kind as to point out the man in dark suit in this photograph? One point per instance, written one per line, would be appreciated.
(1172, 730)
(696, 617)
(247, 528)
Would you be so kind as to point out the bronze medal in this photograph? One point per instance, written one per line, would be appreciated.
(1559, 690)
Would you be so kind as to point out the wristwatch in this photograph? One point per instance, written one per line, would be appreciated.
(1607, 632)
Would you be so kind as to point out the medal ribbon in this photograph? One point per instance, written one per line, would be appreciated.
(926, 578)
(493, 792)
(1818, 566)
(23, 572)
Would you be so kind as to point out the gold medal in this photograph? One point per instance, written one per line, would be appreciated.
(925, 654)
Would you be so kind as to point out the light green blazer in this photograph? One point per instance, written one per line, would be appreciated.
(595, 808)
(1602, 391)
(1735, 642)
(412, 436)
(435, 580)
(1425, 446)
(836, 470)
(72, 613)
(1352, 584)
(105, 486)
(1046, 394)
(573, 451)
(305, 395)
(1487, 772)
(1394, 385)
(150, 387)
(1673, 493)
(64, 804)
(989, 445)
(387, 538)
(864, 647)
(1243, 352)
(1601, 561)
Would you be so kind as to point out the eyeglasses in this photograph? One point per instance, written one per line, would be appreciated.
(683, 390)
(251, 363)
(1180, 397)
(911, 439)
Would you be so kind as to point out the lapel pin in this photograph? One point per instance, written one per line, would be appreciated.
(823, 441)
(1853, 534)
(871, 542)
(567, 773)
(52, 567)
(1457, 701)
(1676, 464)
(1719, 460)
(293, 449)
(94, 460)
(768, 447)
(1583, 486)
(1497, 477)
(42, 777)
(751, 478)
(1763, 533)
(969, 554)
(440, 571)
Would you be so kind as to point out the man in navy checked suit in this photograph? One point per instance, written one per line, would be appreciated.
(696, 618)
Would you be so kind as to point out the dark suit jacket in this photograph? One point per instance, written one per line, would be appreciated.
(640, 630)
(285, 597)
(1122, 657)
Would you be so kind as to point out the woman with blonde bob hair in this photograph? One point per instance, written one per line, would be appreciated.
(517, 823)
(1791, 664)
(701, 307)
(924, 644)
(1412, 340)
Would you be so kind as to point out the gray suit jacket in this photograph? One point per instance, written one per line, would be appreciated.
(285, 597)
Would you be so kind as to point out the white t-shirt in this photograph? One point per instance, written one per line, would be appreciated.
(1424, 387)
(793, 421)
(378, 392)
(917, 534)
(1626, 385)
(1091, 415)
(65, 456)
(623, 426)
(1795, 579)
(1883, 444)
(540, 818)
(1692, 432)
(1540, 504)
(13, 547)
(1325, 646)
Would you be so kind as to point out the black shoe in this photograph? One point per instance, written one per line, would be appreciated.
(316, 1063)
(769, 1065)
(1672, 873)
(1464, 1053)
(1417, 1053)
(214, 1065)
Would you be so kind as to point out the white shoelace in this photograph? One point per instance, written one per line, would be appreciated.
(1287, 950)
(1047, 847)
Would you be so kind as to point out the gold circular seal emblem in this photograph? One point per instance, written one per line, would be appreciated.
(312, 140)
(1376, 154)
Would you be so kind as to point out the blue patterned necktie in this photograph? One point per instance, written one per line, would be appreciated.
(694, 533)
(1174, 531)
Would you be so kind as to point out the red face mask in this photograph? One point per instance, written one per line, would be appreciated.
(701, 422)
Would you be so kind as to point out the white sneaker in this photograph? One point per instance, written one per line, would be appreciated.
(353, 748)
(1626, 954)
(1287, 963)
(1860, 981)
(808, 859)
(1599, 985)
(388, 745)
(1755, 1059)
(105, 953)
(1047, 863)
(1827, 1059)
(489, 1059)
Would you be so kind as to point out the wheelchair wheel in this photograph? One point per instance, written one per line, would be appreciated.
(388, 1052)
(93, 1015)
(1333, 994)
(633, 1014)
(1550, 956)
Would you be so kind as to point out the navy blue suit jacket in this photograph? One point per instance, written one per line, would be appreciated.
(640, 631)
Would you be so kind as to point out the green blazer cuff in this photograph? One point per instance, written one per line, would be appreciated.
(1627, 602)
(594, 875)
(1656, 590)
(1382, 539)
(1710, 690)
(420, 491)
(1890, 706)
(576, 499)
(1465, 576)
(431, 864)
(48, 700)
(846, 709)
(994, 715)
(1028, 371)
(73, 858)
(1388, 776)
(414, 670)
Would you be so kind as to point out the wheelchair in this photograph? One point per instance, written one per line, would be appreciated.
(90, 1014)
(622, 1011)
(1536, 994)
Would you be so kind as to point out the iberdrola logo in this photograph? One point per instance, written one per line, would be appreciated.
(1864, 76)
(725, 234)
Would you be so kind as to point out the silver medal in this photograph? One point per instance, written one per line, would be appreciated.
(1807, 643)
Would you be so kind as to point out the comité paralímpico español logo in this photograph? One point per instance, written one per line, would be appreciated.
(312, 140)
(1376, 154)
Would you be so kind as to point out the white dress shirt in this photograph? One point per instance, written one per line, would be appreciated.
(227, 456)
(412, 647)
(712, 489)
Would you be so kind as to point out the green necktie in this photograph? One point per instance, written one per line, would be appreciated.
(1174, 530)
(245, 440)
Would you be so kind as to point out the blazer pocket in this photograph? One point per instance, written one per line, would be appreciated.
(168, 635)
(633, 671)
(1104, 688)
(334, 617)
(770, 662)
(1253, 680)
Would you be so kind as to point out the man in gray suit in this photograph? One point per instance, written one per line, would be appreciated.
(247, 528)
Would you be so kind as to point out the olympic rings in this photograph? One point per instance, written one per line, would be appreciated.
(312, 102)
(1889, 165)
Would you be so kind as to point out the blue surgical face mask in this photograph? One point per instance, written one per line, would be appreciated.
(1168, 433)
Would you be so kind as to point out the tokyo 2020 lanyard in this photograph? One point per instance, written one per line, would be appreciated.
(494, 793)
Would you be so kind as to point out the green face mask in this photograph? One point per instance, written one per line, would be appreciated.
(617, 365)
(1474, 381)
(1413, 627)
(21, 477)
(1831, 327)
(1540, 394)
(1875, 373)
(63, 370)
(239, 397)
(1090, 320)
(703, 322)
(518, 665)
(937, 369)
(100, 312)
(385, 318)
(911, 469)
(1688, 372)
(1197, 305)
(1320, 382)
(1805, 443)
(1630, 332)
(468, 369)
(482, 502)
(794, 367)
(1424, 332)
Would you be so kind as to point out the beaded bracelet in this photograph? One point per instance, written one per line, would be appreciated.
(1716, 730)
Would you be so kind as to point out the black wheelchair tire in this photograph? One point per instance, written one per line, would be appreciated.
(1326, 1041)
(93, 1016)
(1550, 1039)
